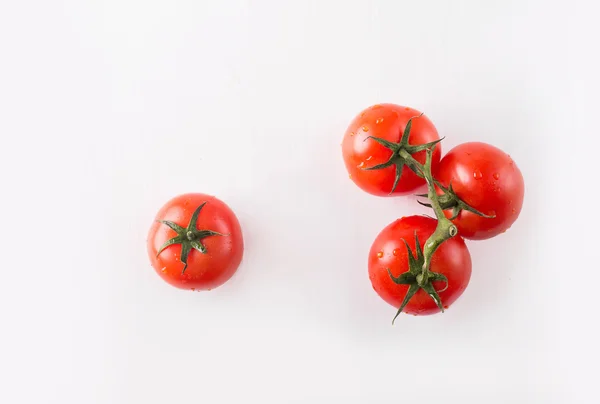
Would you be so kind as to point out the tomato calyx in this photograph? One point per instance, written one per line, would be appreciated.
(401, 153)
(419, 275)
(189, 237)
(450, 201)
(417, 278)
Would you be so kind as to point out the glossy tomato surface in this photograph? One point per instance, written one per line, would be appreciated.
(386, 121)
(204, 271)
(389, 251)
(487, 179)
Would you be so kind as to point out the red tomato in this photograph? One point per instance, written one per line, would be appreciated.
(488, 180)
(451, 259)
(386, 121)
(214, 245)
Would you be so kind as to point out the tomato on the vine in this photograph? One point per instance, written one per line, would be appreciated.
(379, 169)
(389, 256)
(195, 242)
(486, 179)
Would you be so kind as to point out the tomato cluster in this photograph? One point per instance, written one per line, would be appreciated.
(417, 264)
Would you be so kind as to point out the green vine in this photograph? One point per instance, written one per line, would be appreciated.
(419, 274)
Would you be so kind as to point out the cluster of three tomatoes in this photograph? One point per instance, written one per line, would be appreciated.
(483, 177)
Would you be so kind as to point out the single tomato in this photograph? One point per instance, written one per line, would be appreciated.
(389, 253)
(486, 179)
(379, 169)
(195, 242)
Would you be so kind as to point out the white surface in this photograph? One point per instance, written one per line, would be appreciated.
(109, 108)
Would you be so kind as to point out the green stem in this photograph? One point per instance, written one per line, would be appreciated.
(445, 229)
(418, 168)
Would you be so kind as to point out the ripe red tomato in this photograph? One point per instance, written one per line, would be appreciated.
(486, 179)
(388, 251)
(386, 121)
(213, 245)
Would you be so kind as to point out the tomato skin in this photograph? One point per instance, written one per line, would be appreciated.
(386, 121)
(452, 259)
(488, 180)
(223, 253)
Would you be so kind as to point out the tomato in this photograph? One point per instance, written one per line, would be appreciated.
(213, 245)
(488, 180)
(388, 251)
(387, 122)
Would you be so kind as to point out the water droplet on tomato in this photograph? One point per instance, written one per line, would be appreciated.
(350, 176)
(477, 174)
(369, 158)
(361, 165)
(514, 210)
(365, 128)
(379, 120)
(496, 176)
(352, 133)
(510, 201)
(164, 269)
(380, 254)
(396, 252)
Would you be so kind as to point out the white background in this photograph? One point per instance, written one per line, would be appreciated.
(109, 108)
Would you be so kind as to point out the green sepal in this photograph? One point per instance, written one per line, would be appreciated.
(407, 128)
(200, 234)
(437, 277)
(399, 167)
(186, 247)
(387, 164)
(405, 278)
(455, 212)
(421, 147)
(427, 205)
(386, 143)
(412, 261)
(428, 287)
(174, 240)
(177, 228)
(418, 248)
(196, 245)
(414, 288)
(194, 219)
